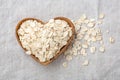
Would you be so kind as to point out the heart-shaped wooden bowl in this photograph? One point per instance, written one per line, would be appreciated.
(62, 50)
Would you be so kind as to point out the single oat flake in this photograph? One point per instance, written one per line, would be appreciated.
(85, 63)
(112, 40)
(107, 31)
(64, 64)
(92, 49)
(68, 57)
(101, 16)
(102, 49)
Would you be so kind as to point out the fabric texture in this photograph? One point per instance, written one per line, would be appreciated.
(16, 65)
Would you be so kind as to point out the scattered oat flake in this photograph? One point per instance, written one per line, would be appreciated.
(86, 21)
(107, 31)
(92, 49)
(99, 38)
(102, 49)
(64, 64)
(68, 57)
(101, 42)
(92, 20)
(101, 15)
(85, 45)
(99, 22)
(83, 52)
(87, 35)
(112, 40)
(77, 27)
(91, 24)
(85, 63)
(83, 17)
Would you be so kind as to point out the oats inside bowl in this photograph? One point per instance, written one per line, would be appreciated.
(44, 41)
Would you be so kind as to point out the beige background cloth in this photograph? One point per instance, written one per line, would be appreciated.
(15, 65)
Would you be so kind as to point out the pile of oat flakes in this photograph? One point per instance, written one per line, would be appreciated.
(44, 41)
(87, 33)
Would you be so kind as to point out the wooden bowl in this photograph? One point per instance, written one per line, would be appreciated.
(62, 50)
